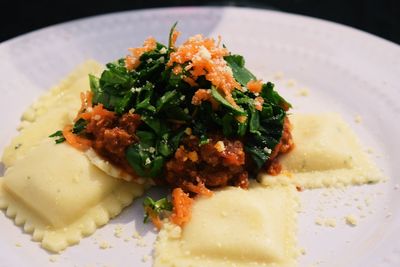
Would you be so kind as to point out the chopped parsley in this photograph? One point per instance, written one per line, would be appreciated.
(79, 126)
(59, 137)
(155, 208)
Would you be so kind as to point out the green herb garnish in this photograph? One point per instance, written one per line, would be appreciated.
(59, 137)
(79, 126)
(155, 208)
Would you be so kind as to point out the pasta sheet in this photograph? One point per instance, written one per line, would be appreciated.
(234, 227)
(53, 190)
(327, 153)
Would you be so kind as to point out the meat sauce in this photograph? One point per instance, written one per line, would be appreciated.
(220, 162)
(112, 135)
(194, 168)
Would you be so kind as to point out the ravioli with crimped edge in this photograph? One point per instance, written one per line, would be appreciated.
(235, 227)
(327, 154)
(53, 190)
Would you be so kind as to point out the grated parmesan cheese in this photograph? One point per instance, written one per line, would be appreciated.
(220, 146)
(351, 220)
(104, 245)
(303, 92)
(330, 222)
(53, 258)
(118, 231)
(357, 119)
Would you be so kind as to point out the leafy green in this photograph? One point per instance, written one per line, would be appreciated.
(113, 88)
(240, 73)
(272, 96)
(163, 98)
(147, 157)
(79, 126)
(59, 137)
(220, 99)
(261, 143)
(156, 207)
(170, 34)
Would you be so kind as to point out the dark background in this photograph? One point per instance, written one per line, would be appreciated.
(381, 18)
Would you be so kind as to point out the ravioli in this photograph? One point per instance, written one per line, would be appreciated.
(51, 112)
(327, 153)
(59, 196)
(234, 227)
(54, 190)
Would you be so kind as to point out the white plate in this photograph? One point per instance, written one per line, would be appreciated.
(345, 70)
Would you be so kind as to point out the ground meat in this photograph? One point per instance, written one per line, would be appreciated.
(129, 122)
(194, 168)
(219, 163)
(112, 135)
(114, 141)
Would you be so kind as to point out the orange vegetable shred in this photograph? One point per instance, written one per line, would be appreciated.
(155, 219)
(132, 61)
(206, 58)
(182, 205)
(254, 86)
(75, 140)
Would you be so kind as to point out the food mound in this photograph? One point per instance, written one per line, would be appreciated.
(191, 117)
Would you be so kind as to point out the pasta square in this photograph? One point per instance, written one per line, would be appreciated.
(53, 190)
(254, 227)
(326, 153)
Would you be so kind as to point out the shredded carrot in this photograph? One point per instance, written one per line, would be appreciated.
(241, 119)
(74, 140)
(86, 112)
(206, 58)
(182, 205)
(177, 69)
(190, 81)
(86, 101)
(204, 95)
(155, 219)
(133, 60)
(219, 40)
(201, 95)
(174, 37)
(97, 112)
(200, 188)
(254, 86)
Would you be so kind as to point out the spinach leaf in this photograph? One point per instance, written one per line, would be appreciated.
(113, 88)
(258, 154)
(144, 160)
(254, 121)
(227, 122)
(143, 99)
(220, 99)
(240, 73)
(261, 143)
(154, 123)
(170, 98)
(272, 96)
(148, 156)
